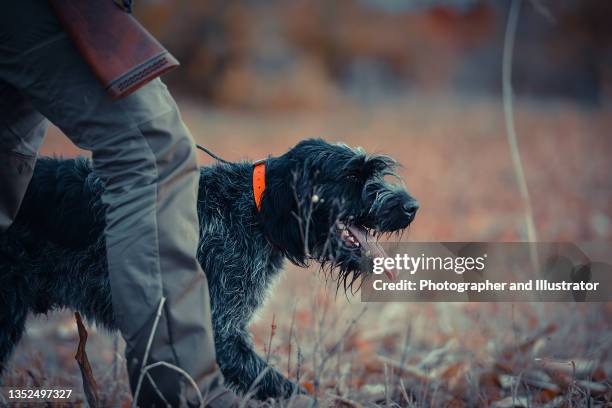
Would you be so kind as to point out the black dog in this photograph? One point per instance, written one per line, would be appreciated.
(322, 202)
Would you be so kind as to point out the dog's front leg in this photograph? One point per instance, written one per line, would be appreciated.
(241, 366)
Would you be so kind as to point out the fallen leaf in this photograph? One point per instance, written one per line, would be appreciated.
(546, 395)
(308, 386)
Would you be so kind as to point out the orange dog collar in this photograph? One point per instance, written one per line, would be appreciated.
(259, 182)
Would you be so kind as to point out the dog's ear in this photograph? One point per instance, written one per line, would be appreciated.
(279, 212)
(379, 165)
(364, 167)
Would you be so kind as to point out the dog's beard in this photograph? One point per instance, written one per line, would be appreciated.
(364, 239)
(348, 251)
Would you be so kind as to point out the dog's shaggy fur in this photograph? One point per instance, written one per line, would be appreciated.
(53, 256)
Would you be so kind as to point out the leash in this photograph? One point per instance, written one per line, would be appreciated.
(259, 175)
(211, 154)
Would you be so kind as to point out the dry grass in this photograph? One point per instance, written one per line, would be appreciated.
(457, 164)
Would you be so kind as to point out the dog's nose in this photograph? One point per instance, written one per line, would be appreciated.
(410, 208)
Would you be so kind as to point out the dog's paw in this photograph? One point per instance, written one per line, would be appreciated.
(290, 389)
(276, 385)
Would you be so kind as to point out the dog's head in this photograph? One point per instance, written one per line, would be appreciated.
(330, 203)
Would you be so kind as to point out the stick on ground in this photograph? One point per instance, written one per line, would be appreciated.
(89, 382)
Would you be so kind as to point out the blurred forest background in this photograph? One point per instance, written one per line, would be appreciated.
(312, 54)
(419, 80)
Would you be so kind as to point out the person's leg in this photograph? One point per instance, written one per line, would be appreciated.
(145, 157)
(22, 130)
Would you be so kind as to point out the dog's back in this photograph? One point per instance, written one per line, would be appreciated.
(54, 254)
(62, 205)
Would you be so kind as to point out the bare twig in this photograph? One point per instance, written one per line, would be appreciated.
(272, 334)
(35, 381)
(290, 339)
(144, 371)
(544, 11)
(510, 35)
(298, 215)
(89, 382)
(298, 367)
(406, 371)
(408, 399)
(116, 357)
(387, 387)
(157, 390)
(147, 350)
(405, 351)
(304, 217)
(320, 367)
(178, 370)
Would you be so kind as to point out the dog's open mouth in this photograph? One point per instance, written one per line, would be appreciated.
(357, 236)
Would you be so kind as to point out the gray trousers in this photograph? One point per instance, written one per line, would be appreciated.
(145, 156)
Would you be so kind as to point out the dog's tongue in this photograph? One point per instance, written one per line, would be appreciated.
(371, 247)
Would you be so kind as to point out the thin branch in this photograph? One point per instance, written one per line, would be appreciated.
(89, 382)
(157, 390)
(180, 371)
(116, 358)
(510, 35)
(290, 338)
(272, 334)
(335, 348)
(544, 11)
(144, 371)
(147, 350)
